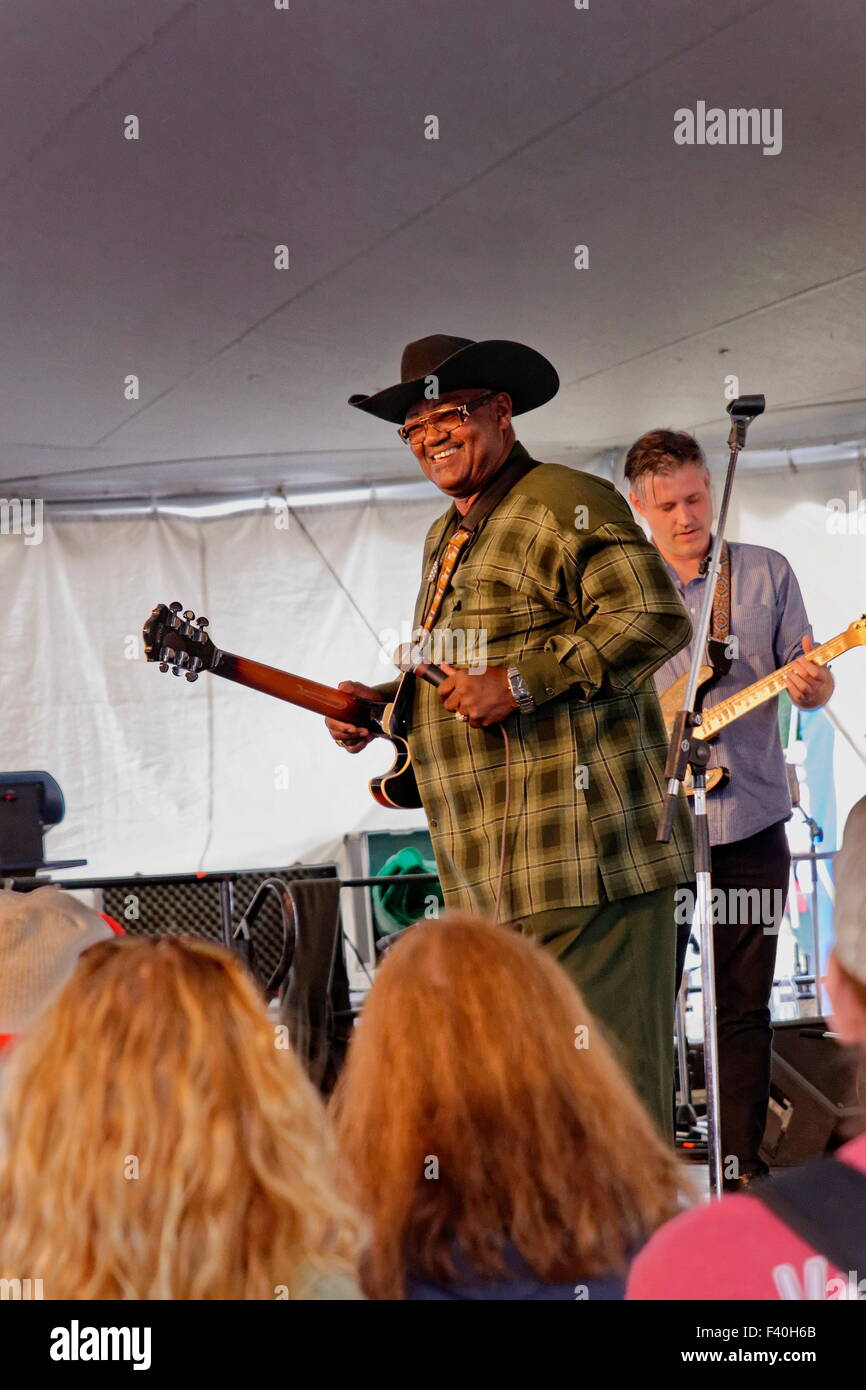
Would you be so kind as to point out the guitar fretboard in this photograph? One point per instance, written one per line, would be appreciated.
(726, 711)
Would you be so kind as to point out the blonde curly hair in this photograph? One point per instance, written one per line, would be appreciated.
(158, 1142)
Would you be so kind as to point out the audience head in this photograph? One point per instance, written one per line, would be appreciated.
(42, 934)
(160, 1143)
(846, 974)
(481, 1111)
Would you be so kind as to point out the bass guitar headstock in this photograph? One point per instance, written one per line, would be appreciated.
(857, 631)
(178, 641)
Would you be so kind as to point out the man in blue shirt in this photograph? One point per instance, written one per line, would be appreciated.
(670, 488)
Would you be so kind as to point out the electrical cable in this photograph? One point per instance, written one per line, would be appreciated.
(504, 837)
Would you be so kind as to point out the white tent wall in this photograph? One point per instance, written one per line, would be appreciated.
(795, 512)
(161, 776)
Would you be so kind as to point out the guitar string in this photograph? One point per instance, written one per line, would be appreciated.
(773, 683)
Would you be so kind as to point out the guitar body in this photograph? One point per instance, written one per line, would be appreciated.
(719, 716)
(397, 787)
(715, 777)
(672, 702)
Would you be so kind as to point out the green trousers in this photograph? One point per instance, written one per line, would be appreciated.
(621, 957)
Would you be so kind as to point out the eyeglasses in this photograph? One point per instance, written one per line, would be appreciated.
(447, 419)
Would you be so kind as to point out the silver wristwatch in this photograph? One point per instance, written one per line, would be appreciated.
(520, 690)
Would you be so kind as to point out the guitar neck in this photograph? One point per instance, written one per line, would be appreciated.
(295, 690)
(726, 711)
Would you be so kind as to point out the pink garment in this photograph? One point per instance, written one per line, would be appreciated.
(736, 1249)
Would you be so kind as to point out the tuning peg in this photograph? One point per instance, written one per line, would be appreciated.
(202, 622)
(191, 676)
(175, 607)
(175, 670)
(163, 666)
(189, 615)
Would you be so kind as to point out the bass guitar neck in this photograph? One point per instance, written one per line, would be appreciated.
(295, 690)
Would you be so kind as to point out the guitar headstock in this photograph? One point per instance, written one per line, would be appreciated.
(171, 639)
(857, 631)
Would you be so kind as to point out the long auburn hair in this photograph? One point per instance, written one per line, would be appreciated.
(477, 1113)
(159, 1143)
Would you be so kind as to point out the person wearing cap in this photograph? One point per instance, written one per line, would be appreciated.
(798, 1234)
(575, 612)
(42, 934)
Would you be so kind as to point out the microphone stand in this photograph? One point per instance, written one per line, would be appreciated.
(816, 835)
(686, 749)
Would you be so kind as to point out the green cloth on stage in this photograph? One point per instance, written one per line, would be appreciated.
(398, 905)
(621, 957)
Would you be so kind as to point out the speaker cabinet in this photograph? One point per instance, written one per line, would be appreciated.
(817, 1093)
(208, 905)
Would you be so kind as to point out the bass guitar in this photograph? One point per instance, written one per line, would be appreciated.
(179, 643)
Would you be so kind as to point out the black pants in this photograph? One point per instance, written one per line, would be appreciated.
(750, 884)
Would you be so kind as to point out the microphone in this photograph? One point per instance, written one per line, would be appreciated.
(742, 412)
(746, 407)
(409, 658)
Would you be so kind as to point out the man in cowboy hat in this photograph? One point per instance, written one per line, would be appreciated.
(576, 612)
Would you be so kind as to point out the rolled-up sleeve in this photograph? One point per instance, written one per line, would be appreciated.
(633, 621)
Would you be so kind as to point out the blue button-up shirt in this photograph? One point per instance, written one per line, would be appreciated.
(769, 620)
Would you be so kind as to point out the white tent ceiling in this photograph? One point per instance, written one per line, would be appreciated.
(305, 126)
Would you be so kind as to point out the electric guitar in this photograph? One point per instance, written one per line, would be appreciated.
(179, 643)
(719, 716)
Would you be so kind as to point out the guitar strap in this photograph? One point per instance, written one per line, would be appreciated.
(824, 1203)
(443, 571)
(720, 625)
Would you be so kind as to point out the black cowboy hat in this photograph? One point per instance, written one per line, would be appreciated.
(459, 363)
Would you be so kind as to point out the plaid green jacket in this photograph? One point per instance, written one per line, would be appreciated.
(561, 583)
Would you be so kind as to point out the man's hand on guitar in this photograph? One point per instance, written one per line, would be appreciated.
(809, 685)
(349, 736)
(481, 697)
